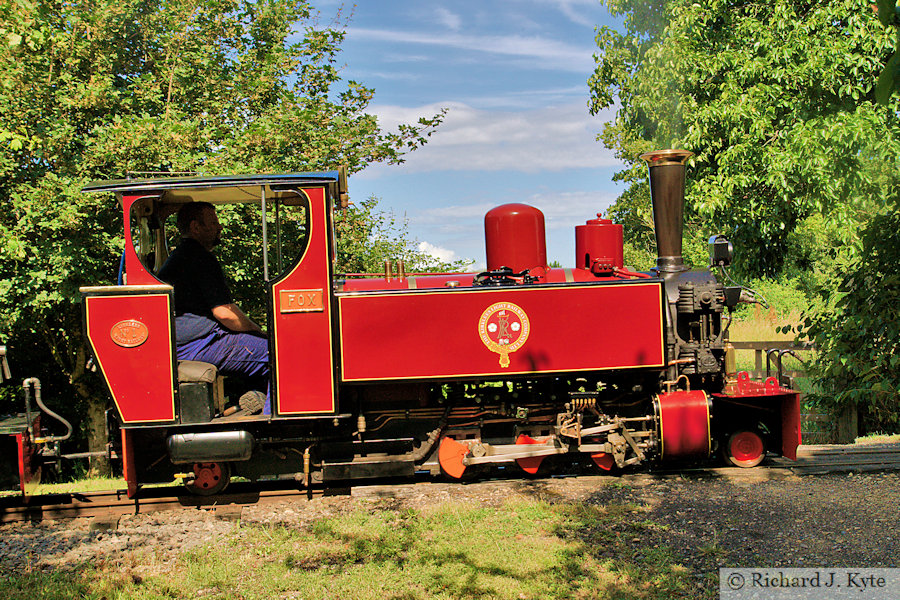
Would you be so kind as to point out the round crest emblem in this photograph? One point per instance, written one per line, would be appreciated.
(129, 333)
(503, 328)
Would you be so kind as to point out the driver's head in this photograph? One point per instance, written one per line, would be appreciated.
(198, 220)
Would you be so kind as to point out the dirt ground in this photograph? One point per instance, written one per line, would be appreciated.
(771, 519)
(730, 517)
(721, 518)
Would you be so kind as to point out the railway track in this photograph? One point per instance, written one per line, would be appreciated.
(818, 459)
(107, 507)
(115, 503)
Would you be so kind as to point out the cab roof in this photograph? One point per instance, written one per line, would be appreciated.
(222, 189)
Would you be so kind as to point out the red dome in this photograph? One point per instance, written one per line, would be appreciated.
(514, 237)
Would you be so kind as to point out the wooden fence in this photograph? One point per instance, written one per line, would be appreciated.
(768, 357)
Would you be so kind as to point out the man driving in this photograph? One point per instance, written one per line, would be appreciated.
(209, 326)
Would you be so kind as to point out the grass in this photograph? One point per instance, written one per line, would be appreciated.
(526, 548)
(760, 325)
(86, 484)
(879, 439)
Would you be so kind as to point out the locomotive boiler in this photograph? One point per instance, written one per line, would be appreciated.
(522, 365)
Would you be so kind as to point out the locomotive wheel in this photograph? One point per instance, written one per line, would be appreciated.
(209, 478)
(450, 456)
(744, 449)
(532, 464)
(603, 460)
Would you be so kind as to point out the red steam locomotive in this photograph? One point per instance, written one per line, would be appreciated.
(452, 373)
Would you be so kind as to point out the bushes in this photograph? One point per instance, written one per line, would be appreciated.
(785, 296)
(857, 330)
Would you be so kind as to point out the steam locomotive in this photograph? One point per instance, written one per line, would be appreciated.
(522, 365)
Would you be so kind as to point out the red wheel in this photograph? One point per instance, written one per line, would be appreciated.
(603, 460)
(744, 449)
(532, 464)
(450, 457)
(209, 478)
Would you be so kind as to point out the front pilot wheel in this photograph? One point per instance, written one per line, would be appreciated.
(744, 449)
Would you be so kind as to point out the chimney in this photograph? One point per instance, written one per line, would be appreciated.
(667, 194)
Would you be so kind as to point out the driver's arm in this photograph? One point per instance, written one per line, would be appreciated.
(233, 318)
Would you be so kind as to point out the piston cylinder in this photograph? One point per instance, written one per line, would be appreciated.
(514, 237)
(599, 246)
(684, 424)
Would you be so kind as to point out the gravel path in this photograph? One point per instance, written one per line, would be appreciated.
(726, 518)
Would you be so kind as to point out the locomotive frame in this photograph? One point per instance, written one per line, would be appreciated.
(449, 373)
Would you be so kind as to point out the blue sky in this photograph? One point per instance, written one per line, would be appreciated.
(513, 76)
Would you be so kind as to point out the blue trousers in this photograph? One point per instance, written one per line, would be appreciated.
(233, 354)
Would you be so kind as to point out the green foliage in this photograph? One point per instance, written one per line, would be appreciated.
(796, 157)
(785, 296)
(889, 80)
(857, 332)
(94, 90)
(367, 236)
(775, 99)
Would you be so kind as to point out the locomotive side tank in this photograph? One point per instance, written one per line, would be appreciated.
(448, 373)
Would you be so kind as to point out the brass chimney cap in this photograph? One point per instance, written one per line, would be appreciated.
(658, 158)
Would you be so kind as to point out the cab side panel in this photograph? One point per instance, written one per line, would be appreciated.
(131, 336)
(302, 323)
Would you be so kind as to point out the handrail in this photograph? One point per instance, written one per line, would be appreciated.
(779, 344)
(775, 350)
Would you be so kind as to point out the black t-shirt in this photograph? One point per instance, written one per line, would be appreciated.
(199, 285)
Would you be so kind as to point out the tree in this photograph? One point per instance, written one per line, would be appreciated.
(857, 331)
(889, 80)
(95, 89)
(366, 236)
(776, 100)
(789, 108)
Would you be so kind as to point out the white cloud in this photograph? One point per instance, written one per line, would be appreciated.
(564, 210)
(541, 52)
(448, 19)
(561, 210)
(546, 139)
(442, 254)
(574, 10)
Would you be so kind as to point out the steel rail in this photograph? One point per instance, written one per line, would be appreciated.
(116, 503)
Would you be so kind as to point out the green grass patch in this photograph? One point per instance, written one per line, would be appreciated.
(86, 484)
(878, 438)
(762, 325)
(524, 549)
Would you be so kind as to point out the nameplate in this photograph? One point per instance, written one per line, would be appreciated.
(291, 301)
